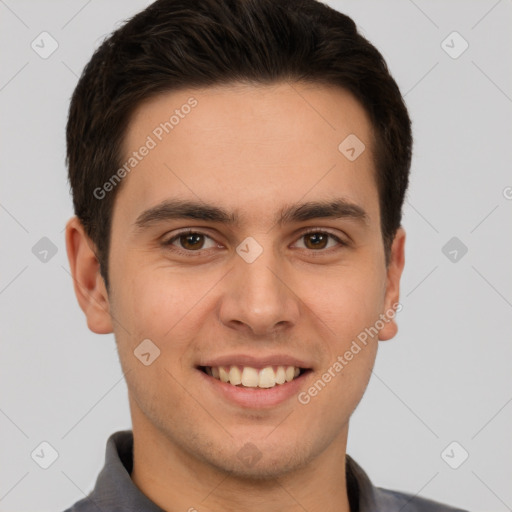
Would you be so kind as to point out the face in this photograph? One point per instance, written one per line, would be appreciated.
(247, 283)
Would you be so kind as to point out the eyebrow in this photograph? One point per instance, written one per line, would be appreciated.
(173, 209)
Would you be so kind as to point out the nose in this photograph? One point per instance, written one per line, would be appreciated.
(258, 298)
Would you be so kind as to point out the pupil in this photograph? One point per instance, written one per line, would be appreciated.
(191, 237)
(319, 237)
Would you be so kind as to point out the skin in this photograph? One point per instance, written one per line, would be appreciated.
(253, 149)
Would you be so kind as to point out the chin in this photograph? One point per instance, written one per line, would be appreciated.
(259, 460)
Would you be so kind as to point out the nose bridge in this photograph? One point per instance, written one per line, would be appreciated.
(258, 295)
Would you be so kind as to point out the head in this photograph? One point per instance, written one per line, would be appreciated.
(253, 111)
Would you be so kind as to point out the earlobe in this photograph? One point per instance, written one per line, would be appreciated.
(392, 295)
(88, 283)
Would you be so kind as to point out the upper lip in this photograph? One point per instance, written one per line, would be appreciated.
(258, 362)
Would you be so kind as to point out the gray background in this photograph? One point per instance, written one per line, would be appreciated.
(446, 376)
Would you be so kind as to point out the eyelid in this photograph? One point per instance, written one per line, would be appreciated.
(323, 230)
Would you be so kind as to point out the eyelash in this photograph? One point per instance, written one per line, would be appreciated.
(188, 253)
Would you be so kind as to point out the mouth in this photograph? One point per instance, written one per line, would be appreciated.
(257, 378)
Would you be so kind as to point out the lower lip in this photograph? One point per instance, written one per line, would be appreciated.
(255, 398)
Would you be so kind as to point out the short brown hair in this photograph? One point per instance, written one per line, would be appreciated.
(175, 44)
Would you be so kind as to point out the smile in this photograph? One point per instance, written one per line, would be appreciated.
(249, 377)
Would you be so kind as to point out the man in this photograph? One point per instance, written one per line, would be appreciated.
(238, 170)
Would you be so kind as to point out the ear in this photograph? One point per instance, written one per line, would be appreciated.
(392, 296)
(89, 285)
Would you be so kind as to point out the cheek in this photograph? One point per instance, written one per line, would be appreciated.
(347, 300)
(159, 304)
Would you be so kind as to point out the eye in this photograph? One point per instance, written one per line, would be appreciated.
(317, 240)
(189, 241)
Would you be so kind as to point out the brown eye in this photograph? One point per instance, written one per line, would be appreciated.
(192, 241)
(319, 240)
(316, 240)
(189, 241)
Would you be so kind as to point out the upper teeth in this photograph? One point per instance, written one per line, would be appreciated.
(251, 377)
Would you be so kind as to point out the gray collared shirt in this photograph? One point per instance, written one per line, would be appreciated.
(115, 492)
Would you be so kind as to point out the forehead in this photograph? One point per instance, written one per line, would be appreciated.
(251, 145)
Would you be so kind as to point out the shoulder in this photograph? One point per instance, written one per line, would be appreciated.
(394, 501)
(84, 505)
